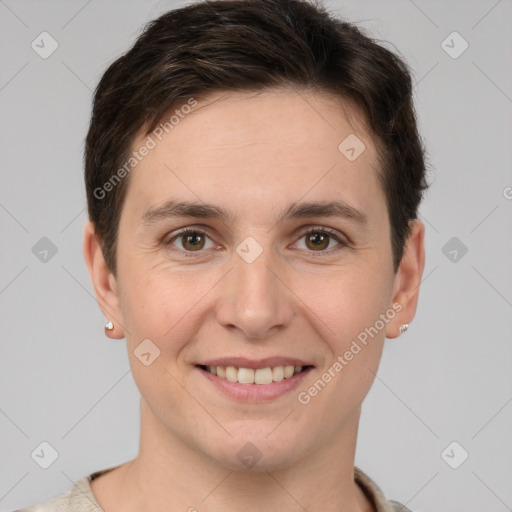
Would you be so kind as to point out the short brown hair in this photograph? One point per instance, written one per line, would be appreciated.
(237, 45)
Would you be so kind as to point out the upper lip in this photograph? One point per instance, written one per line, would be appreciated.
(242, 362)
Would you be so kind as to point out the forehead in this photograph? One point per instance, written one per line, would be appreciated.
(243, 147)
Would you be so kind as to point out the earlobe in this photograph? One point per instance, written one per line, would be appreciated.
(408, 280)
(103, 281)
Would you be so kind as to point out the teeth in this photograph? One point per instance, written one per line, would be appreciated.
(263, 376)
(288, 371)
(232, 374)
(246, 376)
(278, 373)
(251, 376)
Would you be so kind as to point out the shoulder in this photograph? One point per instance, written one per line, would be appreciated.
(375, 494)
(398, 507)
(78, 499)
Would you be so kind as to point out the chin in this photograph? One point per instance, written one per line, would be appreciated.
(255, 453)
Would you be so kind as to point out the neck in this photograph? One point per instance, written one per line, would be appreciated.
(168, 475)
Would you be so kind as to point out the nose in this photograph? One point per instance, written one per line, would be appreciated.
(256, 299)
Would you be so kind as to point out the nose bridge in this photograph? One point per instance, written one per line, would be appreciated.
(254, 268)
(254, 300)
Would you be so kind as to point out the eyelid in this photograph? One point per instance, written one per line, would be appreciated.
(342, 239)
(318, 228)
(169, 238)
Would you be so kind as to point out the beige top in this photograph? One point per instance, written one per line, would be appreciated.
(81, 499)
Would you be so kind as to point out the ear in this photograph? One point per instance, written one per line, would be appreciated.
(408, 279)
(103, 281)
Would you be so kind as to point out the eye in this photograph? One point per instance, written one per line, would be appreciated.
(191, 240)
(319, 239)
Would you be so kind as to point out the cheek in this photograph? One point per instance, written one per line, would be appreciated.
(161, 307)
(163, 304)
(347, 306)
(348, 318)
(345, 299)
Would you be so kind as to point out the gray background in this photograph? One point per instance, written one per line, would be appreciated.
(447, 379)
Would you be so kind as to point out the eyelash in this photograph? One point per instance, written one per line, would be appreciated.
(315, 230)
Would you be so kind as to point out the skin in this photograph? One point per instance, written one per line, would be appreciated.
(253, 155)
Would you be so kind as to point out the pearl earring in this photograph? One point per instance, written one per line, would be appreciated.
(109, 326)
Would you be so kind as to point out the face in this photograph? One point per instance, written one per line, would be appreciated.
(276, 281)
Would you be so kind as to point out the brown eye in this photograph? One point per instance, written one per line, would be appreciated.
(190, 240)
(317, 240)
(193, 242)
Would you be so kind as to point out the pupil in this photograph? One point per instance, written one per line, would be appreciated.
(194, 240)
(318, 239)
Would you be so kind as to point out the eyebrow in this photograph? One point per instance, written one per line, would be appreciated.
(189, 209)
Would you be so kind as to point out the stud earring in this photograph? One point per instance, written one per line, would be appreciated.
(404, 328)
(109, 326)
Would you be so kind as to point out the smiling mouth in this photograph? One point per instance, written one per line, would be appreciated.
(260, 376)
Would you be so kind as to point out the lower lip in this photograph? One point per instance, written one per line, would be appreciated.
(255, 392)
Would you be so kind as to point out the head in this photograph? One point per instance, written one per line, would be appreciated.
(277, 120)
